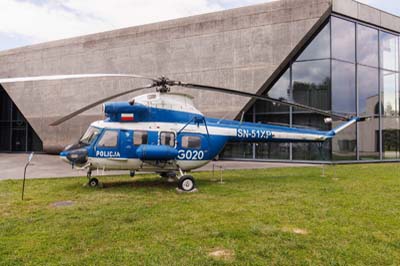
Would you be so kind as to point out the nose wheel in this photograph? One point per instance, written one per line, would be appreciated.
(93, 182)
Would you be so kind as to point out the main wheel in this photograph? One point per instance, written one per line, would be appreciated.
(186, 183)
(131, 173)
(93, 182)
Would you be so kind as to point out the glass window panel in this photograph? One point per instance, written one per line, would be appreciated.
(167, 138)
(368, 91)
(275, 151)
(237, 150)
(34, 142)
(109, 139)
(368, 104)
(320, 46)
(389, 51)
(390, 93)
(344, 144)
(367, 46)
(280, 90)
(343, 39)
(368, 143)
(191, 142)
(311, 82)
(343, 87)
(19, 139)
(274, 118)
(140, 137)
(310, 151)
(391, 137)
(5, 106)
(5, 136)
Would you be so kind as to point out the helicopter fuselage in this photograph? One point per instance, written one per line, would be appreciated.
(171, 136)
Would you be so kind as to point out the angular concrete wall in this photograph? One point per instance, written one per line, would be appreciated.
(237, 48)
(367, 14)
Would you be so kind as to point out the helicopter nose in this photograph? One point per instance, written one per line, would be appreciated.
(75, 157)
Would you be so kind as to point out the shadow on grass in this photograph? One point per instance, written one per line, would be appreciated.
(149, 183)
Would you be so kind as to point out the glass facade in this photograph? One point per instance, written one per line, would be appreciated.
(15, 132)
(350, 68)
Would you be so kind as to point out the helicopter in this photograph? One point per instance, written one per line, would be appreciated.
(163, 132)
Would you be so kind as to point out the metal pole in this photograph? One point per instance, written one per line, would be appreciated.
(23, 184)
(26, 166)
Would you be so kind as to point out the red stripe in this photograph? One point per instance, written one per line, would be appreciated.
(127, 118)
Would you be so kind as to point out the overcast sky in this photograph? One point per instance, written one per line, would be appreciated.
(24, 22)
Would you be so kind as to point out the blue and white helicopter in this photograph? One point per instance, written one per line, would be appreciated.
(163, 132)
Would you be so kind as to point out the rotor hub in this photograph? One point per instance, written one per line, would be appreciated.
(162, 85)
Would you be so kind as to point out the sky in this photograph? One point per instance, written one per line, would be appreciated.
(25, 22)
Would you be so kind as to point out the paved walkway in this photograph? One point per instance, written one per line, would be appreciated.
(44, 166)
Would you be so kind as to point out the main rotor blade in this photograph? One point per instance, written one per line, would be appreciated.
(77, 76)
(87, 107)
(261, 97)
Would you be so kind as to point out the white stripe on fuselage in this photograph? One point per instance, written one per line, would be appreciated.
(161, 126)
(201, 129)
(139, 165)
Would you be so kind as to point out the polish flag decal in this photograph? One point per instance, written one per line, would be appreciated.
(127, 117)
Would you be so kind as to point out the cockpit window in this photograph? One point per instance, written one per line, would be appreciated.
(109, 139)
(89, 136)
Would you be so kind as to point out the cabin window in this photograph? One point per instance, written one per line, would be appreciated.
(109, 139)
(140, 137)
(191, 142)
(167, 138)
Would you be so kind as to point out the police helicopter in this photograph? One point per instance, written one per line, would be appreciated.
(163, 132)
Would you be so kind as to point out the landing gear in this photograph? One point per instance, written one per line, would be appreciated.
(93, 182)
(131, 173)
(186, 183)
(89, 173)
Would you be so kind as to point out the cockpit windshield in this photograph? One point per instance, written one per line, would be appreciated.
(89, 136)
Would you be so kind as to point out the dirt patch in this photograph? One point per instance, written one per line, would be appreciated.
(298, 231)
(62, 203)
(222, 254)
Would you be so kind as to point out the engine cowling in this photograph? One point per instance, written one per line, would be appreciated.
(156, 152)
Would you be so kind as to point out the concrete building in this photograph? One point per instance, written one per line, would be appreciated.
(337, 55)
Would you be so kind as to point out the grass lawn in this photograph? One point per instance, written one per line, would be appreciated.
(257, 217)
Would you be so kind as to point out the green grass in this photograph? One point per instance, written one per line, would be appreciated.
(351, 217)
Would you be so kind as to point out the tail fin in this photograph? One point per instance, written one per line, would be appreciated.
(335, 131)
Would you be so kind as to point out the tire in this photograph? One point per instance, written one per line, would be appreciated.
(131, 173)
(93, 182)
(186, 183)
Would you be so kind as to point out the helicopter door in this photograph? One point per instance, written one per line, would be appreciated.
(193, 147)
(108, 144)
(126, 144)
